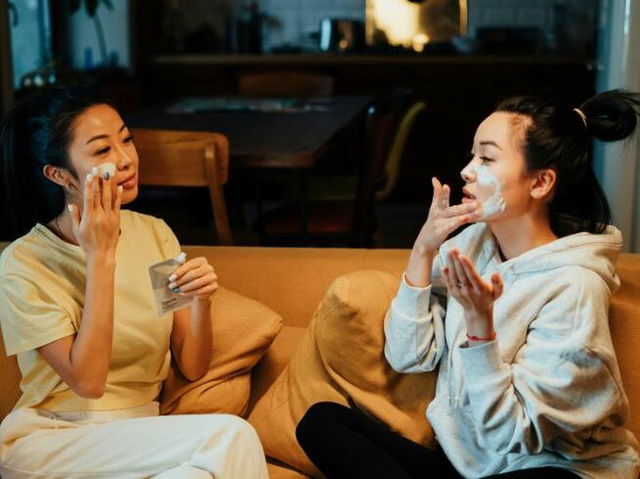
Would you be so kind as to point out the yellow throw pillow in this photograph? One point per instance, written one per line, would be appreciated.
(341, 359)
(243, 330)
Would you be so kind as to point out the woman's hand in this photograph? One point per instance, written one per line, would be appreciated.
(441, 222)
(443, 219)
(474, 294)
(97, 227)
(195, 278)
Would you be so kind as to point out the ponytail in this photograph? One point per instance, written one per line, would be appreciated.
(612, 115)
(559, 137)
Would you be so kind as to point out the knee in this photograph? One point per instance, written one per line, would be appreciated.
(317, 419)
(239, 428)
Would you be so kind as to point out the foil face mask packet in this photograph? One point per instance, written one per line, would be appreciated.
(166, 299)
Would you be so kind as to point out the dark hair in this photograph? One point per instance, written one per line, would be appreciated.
(559, 137)
(35, 133)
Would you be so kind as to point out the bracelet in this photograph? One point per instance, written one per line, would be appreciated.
(491, 337)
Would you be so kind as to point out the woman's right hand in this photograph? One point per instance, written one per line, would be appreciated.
(443, 219)
(441, 222)
(97, 227)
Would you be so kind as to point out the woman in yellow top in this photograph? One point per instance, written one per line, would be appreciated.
(77, 309)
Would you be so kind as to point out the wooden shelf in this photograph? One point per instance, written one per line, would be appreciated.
(319, 59)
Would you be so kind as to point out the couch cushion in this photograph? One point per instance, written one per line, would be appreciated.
(341, 359)
(624, 321)
(292, 281)
(10, 382)
(243, 330)
(264, 374)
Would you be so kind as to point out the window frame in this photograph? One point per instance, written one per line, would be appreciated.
(6, 67)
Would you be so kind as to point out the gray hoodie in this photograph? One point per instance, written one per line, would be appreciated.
(547, 391)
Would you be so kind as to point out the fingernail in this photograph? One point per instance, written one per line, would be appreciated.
(95, 170)
(89, 178)
(173, 277)
(172, 285)
(106, 175)
(70, 208)
(176, 290)
(120, 188)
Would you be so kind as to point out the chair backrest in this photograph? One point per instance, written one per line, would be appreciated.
(389, 122)
(187, 158)
(394, 156)
(285, 83)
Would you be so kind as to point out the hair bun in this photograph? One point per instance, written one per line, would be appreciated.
(612, 115)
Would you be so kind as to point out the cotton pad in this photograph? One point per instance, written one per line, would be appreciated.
(103, 168)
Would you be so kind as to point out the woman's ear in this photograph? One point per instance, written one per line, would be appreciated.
(59, 176)
(543, 183)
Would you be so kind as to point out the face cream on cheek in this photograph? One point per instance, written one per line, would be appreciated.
(494, 204)
(103, 168)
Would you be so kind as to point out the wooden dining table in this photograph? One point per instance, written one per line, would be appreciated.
(292, 135)
(284, 133)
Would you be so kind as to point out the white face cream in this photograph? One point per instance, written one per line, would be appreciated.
(103, 168)
(492, 185)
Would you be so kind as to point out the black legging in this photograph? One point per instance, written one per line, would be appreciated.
(344, 442)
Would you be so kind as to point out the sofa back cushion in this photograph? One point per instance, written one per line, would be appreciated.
(624, 321)
(341, 359)
(9, 381)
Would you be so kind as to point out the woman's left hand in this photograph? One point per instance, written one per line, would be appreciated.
(474, 294)
(196, 278)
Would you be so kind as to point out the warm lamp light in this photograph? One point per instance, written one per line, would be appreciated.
(419, 41)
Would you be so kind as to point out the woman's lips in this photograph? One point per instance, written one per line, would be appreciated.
(467, 197)
(129, 182)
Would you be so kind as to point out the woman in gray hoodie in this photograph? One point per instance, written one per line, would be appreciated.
(513, 311)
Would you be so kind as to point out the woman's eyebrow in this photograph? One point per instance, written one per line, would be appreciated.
(492, 143)
(98, 137)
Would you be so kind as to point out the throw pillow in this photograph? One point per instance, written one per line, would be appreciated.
(341, 359)
(243, 330)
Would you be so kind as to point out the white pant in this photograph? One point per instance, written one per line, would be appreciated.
(105, 445)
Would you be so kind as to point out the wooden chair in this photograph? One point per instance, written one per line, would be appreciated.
(191, 159)
(284, 84)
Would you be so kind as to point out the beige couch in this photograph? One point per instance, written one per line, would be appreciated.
(292, 281)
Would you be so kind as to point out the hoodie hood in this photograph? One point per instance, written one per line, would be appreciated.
(596, 252)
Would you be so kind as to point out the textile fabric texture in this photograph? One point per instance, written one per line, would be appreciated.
(243, 330)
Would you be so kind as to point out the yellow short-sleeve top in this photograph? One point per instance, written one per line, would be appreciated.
(42, 291)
